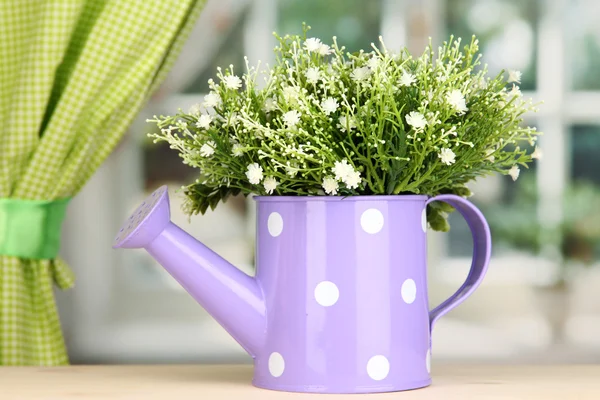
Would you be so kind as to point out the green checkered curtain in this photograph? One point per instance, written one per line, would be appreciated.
(73, 75)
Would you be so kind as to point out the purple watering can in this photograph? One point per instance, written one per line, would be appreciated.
(339, 303)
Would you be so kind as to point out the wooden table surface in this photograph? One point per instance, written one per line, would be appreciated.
(224, 382)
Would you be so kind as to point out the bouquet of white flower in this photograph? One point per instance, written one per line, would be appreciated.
(327, 122)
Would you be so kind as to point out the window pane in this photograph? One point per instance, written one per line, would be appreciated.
(355, 22)
(582, 198)
(231, 52)
(510, 209)
(584, 44)
(163, 164)
(506, 30)
(585, 149)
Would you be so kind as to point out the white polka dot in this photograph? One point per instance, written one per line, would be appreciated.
(424, 220)
(276, 364)
(371, 220)
(428, 361)
(275, 224)
(327, 293)
(378, 367)
(409, 291)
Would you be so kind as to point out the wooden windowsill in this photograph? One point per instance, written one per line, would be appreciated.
(450, 382)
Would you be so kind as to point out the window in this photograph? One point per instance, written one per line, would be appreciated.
(139, 313)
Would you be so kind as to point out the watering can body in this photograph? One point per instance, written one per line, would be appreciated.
(339, 302)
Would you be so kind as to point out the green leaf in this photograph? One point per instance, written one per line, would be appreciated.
(437, 221)
(441, 206)
(202, 206)
(213, 201)
(463, 191)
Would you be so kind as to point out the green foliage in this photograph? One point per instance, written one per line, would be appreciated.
(327, 122)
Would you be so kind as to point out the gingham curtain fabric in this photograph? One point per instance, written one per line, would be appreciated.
(73, 75)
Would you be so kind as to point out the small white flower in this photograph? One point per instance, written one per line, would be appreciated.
(290, 94)
(407, 79)
(291, 170)
(482, 82)
(204, 121)
(342, 169)
(353, 180)
(254, 173)
(416, 120)
(194, 110)
(312, 44)
(374, 62)
(291, 118)
(331, 71)
(168, 130)
(312, 75)
(207, 149)
(490, 155)
(212, 100)
(429, 95)
(514, 92)
(346, 123)
(456, 99)
(233, 118)
(537, 154)
(330, 185)
(447, 156)
(325, 50)
(360, 74)
(232, 82)
(329, 105)
(270, 105)
(449, 132)
(514, 172)
(237, 150)
(270, 184)
(514, 76)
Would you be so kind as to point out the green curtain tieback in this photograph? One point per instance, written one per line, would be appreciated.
(31, 228)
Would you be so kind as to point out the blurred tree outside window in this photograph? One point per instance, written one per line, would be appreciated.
(585, 151)
(584, 31)
(355, 23)
(231, 52)
(506, 30)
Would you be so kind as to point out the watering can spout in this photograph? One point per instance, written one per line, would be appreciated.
(230, 296)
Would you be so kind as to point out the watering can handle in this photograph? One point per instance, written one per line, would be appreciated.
(482, 249)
